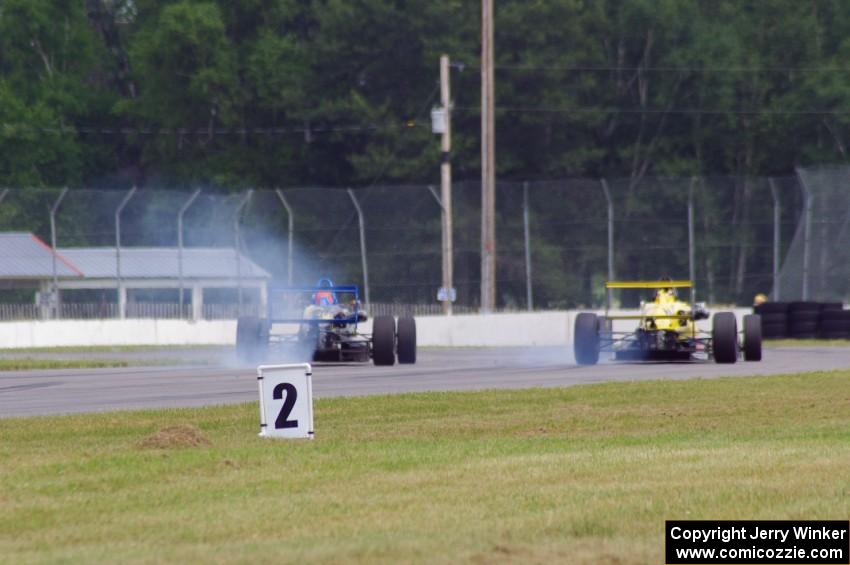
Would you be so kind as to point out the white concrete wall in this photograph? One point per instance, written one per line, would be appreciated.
(494, 330)
(536, 328)
(56, 333)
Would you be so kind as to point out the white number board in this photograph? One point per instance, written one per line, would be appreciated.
(286, 400)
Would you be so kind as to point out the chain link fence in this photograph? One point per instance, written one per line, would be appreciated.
(557, 240)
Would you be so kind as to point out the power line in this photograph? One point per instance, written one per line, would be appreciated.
(694, 111)
(185, 131)
(603, 68)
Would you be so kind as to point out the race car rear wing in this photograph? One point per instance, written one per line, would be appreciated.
(280, 313)
(649, 284)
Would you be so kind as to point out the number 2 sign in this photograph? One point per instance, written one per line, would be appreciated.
(286, 400)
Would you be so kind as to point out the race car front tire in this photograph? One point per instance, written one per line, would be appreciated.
(586, 343)
(406, 341)
(724, 337)
(752, 337)
(383, 340)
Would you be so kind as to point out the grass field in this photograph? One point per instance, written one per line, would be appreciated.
(36, 363)
(579, 474)
(105, 348)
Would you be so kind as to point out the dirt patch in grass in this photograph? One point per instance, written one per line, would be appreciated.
(176, 437)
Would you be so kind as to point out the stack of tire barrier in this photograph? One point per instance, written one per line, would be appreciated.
(804, 320)
(834, 322)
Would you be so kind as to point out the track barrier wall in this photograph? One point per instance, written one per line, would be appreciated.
(473, 330)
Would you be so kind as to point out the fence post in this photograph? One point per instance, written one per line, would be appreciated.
(122, 292)
(777, 217)
(611, 275)
(807, 229)
(362, 246)
(692, 268)
(182, 211)
(237, 236)
(291, 228)
(529, 298)
(55, 295)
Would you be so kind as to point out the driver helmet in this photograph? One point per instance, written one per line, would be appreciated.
(669, 291)
(324, 297)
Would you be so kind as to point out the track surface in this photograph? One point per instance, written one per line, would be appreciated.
(90, 390)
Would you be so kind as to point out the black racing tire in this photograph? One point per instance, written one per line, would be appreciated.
(803, 328)
(834, 334)
(835, 316)
(383, 340)
(834, 326)
(803, 322)
(771, 308)
(803, 306)
(752, 337)
(774, 318)
(774, 331)
(251, 339)
(406, 341)
(724, 337)
(586, 342)
(803, 335)
(803, 316)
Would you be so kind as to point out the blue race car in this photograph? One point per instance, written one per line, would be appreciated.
(321, 324)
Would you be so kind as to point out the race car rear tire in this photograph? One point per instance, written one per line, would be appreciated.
(251, 339)
(752, 337)
(406, 341)
(383, 340)
(586, 344)
(724, 337)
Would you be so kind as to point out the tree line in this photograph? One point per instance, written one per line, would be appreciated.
(337, 93)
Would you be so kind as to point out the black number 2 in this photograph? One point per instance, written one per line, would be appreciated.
(288, 405)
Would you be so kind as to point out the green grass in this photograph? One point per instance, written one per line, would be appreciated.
(579, 474)
(108, 348)
(35, 363)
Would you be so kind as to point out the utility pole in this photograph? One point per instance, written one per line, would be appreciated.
(446, 185)
(488, 167)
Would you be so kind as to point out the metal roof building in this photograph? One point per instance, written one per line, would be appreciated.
(25, 260)
(162, 263)
(28, 262)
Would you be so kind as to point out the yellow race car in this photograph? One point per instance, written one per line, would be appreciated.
(666, 330)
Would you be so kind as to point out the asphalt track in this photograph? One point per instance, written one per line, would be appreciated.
(28, 393)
